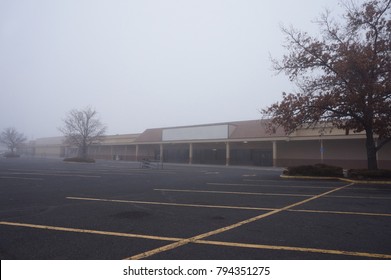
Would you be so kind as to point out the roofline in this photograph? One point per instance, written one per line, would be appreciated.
(286, 138)
(207, 124)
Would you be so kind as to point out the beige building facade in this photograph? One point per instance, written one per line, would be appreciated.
(232, 143)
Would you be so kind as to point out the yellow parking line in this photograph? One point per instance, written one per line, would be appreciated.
(383, 188)
(171, 204)
(260, 186)
(341, 212)
(359, 197)
(223, 229)
(239, 193)
(271, 194)
(229, 207)
(120, 234)
(205, 242)
(279, 186)
(296, 249)
(21, 178)
(50, 174)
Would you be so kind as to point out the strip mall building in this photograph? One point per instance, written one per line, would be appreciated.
(232, 143)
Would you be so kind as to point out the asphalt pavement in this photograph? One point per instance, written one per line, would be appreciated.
(50, 209)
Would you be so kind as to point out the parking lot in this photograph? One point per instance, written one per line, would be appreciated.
(116, 210)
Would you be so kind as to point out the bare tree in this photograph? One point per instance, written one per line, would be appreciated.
(12, 138)
(82, 128)
(344, 77)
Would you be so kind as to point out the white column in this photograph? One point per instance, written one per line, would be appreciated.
(161, 152)
(227, 153)
(274, 153)
(190, 153)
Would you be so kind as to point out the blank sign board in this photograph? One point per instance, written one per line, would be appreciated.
(196, 133)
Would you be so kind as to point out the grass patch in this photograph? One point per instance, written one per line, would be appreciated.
(79, 159)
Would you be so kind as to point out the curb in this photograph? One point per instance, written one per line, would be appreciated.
(336, 178)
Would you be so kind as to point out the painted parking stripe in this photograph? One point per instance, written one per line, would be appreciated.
(290, 181)
(84, 172)
(227, 228)
(21, 178)
(78, 230)
(170, 204)
(359, 197)
(205, 242)
(341, 212)
(51, 174)
(269, 194)
(295, 249)
(271, 186)
(72, 174)
(230, 207)
(237, 193)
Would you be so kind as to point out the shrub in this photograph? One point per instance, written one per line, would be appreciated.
(11, 155)
(369, 174)
(79, 159)
(320, 170)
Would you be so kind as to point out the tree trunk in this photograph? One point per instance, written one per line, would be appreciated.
(83, 151)
(371, 151)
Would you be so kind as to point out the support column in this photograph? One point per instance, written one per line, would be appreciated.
(227, 153)
(136, 152)
(190, 153)
(377, 153)
(161, 153)
(274, 153)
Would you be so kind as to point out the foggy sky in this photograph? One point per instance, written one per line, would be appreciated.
(143, 64)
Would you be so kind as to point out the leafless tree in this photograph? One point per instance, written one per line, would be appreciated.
(82, 128)
(12, 138)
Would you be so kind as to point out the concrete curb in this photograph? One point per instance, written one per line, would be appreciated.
(336, 178)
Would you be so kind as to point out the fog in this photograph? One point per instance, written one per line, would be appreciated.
(143, 64)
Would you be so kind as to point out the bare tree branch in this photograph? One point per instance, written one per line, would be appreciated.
(82, 128)
(12, 138)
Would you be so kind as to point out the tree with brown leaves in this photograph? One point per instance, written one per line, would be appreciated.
(343, 77)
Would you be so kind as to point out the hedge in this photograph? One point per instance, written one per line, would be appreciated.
(361, 174)
(318, 170)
